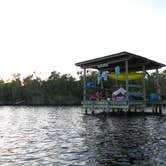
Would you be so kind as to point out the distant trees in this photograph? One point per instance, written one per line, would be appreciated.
(61, 89)
(33, 93)
(58, 89)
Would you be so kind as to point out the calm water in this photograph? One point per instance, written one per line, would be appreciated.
(65, 136)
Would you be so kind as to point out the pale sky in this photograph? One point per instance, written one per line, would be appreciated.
(48, 35)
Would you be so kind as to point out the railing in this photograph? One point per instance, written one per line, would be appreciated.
(104, 104)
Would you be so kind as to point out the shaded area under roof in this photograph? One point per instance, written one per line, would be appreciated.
(135, 62)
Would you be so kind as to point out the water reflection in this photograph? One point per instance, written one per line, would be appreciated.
(65, 136)
(125, 140)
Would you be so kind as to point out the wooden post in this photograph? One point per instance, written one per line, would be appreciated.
(86, 111)
(158, 85)
(135, 109)
(102, 83)
(144, 87)
(158, 91)
(127, 82)
(153, 109)
(92, 108)
(156, 109)
(116, 82)
(84, 88)
(84, 85)
(143, 83)
(160, 109)
(107, 108)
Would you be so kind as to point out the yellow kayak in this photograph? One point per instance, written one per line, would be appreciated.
(122, 76)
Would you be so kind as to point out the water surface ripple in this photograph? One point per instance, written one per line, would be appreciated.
(65, 136)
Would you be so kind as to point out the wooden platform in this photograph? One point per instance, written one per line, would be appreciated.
(115, 106)
(161, 102)
(135, 96)
(109, 106)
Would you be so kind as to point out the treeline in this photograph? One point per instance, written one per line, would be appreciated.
(56, 90)
(59, 89)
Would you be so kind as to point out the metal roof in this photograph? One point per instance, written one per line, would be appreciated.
(135, 62)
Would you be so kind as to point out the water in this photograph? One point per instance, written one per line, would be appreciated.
(65, 136)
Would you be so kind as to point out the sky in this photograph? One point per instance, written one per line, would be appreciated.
(52, 35)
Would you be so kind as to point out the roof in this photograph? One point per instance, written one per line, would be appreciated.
(135, 62)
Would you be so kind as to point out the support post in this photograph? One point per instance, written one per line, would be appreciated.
(84, 86)
(143, 83)
(113, 109)
(158, 91)
(86, 111)
(160, 109)
(127, 81)
(156, 109)
(84, 89)
(107, 107)
(135, 109)
(144, 86)
(92, 108)
(116, 82)
(158, 85)
(153, 109)
(102, 83)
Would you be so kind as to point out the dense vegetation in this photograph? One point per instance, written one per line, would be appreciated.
(57, 89)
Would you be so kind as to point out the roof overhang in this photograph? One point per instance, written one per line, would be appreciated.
(135, 62)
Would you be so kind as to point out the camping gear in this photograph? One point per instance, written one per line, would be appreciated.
(90, 85)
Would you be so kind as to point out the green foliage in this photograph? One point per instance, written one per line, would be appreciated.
(56, 90)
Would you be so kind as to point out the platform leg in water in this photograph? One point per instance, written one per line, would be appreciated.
(86, 111)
